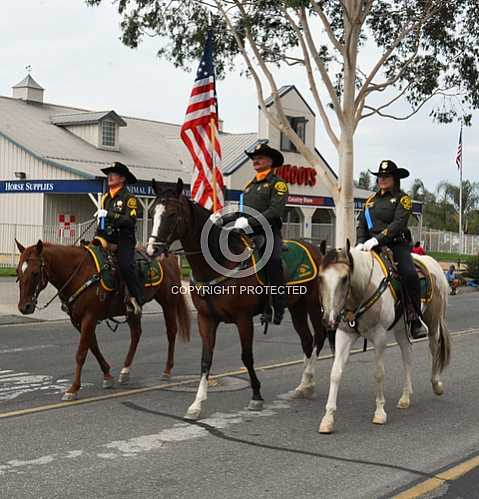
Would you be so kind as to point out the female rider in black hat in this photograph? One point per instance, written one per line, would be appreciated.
(383, 222)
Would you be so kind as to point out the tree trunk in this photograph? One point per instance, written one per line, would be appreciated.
(345, 221)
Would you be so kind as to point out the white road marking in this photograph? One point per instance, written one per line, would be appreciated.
(178, 432)
(13, 384)
(24, 349)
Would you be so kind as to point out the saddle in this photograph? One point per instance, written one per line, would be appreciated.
(149, 271)
(384, 256)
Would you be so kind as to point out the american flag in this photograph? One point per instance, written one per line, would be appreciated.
(459, 153)
(200, 135)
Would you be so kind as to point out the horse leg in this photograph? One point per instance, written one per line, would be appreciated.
(300, 322)
(380, 416)
(344, 343)
(246, 332)
(134, 322)
(320, 334)
(88, 326)
(105, 367)
(171, 331)
(406, 349)
(207, 327)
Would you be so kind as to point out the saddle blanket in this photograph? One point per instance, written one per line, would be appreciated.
(149, 272)
(297, 261)
(425, 278)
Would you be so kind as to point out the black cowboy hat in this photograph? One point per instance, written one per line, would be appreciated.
(389, 168)
(265, 150)
(122, 170)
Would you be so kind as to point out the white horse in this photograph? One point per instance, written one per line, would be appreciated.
(347, 279)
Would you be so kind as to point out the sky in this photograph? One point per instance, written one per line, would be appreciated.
(76, 54)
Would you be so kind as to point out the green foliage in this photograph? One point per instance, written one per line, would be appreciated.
(365, 181)
(437, 56)
(7, 272)
(472, 267)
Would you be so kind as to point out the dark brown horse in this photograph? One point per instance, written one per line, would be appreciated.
(68, 268)
(178, 218)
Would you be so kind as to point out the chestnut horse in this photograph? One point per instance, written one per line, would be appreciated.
(68, 268)
(175, 217)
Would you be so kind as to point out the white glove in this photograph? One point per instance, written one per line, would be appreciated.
(359, 246)
(101, 213)
(370, 244)
(215, 218)
(241, 223)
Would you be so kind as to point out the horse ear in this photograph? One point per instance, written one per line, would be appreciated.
(179, 187)
(322, 247)
(20, 247)
(39, 247)
(156, 187)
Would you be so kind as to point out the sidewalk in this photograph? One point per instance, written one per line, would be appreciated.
(9, 295)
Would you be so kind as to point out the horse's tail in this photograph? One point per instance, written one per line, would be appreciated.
(443, 352)
(443, 348)
(184, 318)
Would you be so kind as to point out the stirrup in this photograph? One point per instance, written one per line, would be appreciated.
(266, 316)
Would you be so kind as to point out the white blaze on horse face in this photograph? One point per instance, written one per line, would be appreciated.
(24, 267)
(159, 210)
(331, 293)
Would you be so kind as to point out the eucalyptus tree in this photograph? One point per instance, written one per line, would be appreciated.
(361, 58)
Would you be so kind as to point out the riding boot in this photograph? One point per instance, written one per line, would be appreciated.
(418, 328)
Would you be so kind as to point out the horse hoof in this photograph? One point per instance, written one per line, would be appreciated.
(166, 376)
(108, 383)
(255, 405)
(438, 388)
(70, 396)
(404, 403)
(380, 419)
(124, 378)
(193, 414)
(326, 427)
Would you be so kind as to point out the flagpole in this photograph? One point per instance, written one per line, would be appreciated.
(213, 162)
(461, 235)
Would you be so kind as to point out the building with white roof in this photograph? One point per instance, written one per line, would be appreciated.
(51, 156)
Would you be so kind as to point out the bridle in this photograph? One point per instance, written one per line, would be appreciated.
(163, 247)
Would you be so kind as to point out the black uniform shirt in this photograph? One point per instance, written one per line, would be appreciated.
(389, 213)
(121, 218)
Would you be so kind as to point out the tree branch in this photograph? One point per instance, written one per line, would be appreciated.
(327, 26)
(312, 83)
(320, 65)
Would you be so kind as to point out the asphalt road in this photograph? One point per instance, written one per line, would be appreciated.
(138, 446)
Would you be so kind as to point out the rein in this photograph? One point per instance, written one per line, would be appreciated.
(352, 316)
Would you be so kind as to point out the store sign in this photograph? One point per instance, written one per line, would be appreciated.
(297, 175)
(48, 186)
(142, 188)
(310, 200)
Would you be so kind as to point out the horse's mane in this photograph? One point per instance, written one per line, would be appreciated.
(200, 216)
(334, 256)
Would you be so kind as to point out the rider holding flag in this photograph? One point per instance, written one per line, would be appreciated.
(383, 222)
(117, 221)
(268, 194)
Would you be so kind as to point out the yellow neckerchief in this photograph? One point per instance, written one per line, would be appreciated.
(115, 191)
(262, 175)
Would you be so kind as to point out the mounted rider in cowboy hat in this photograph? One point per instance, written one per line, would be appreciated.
(268, 194)
(118, 209)
(383, 222)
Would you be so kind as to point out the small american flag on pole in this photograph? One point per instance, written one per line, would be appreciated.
(459, 152)
(200, 135)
